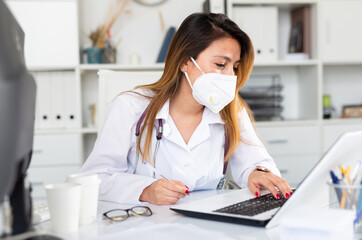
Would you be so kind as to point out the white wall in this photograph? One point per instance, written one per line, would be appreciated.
(140, 30)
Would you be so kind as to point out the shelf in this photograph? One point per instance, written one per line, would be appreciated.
(311, 62)
(281, 3)
(86, 130)
(287, 123)
(56, 131)
(95, 67)
(90, 130)
(50, 68)
(342, 63)
(341, 121)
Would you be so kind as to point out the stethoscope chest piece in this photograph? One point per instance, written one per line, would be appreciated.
(166, 130)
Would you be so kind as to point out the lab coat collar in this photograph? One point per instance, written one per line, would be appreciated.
(164, 111)
(202, 132)
(210, 117)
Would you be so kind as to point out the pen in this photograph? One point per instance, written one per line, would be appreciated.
(335, 180)
(344, 191)
(156, 171)
(160, 174)
(346, 174)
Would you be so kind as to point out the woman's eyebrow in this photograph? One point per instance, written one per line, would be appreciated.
(226, 58)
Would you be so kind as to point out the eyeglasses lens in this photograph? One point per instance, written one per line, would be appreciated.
(117, 215)
(142, 211)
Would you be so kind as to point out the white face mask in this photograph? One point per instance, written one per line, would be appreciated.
(213, 90)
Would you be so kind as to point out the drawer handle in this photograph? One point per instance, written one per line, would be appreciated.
(283, 171)
(280, 141)
(37, 151)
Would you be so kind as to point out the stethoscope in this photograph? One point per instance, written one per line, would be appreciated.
(222, 183)
(158, 140)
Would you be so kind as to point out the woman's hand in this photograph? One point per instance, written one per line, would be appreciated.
(164, 192)
(259, 179)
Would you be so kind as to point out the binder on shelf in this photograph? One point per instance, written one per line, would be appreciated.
(166, 43)
(57, 100)
(214, 6)
(72, 119)
(261, 25)
(300, 37)
(43, 100)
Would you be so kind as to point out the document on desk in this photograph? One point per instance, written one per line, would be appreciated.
(166, 231)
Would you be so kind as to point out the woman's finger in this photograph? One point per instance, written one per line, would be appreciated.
(281, 184)
(254, 188)
(270, 186)
(174, 187)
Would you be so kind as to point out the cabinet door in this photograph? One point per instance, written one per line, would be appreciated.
(55, 150)
(341, 30)
(332, 133)
(291, 140)
(295, 168)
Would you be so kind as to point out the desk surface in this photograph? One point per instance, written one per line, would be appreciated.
(163, 223)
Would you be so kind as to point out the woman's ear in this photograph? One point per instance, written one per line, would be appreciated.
(184, 65)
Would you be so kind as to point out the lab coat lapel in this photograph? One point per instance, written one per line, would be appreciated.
(173, 134)
(202, 132)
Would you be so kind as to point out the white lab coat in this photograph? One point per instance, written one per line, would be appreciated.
(198, 164)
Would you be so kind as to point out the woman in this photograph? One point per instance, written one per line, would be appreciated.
(203, 122)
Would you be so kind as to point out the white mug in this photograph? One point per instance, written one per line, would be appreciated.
(64, 206)
(89, 198)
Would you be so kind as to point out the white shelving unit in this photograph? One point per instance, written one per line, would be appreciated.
(335, 68)
(297, 142)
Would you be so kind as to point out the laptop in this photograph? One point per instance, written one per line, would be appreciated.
(313, 191)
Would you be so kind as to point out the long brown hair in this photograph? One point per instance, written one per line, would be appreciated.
(195, 34)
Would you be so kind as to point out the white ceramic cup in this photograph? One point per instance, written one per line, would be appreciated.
(89, 197)
(64, 203)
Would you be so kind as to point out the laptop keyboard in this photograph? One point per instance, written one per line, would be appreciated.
(253, 206)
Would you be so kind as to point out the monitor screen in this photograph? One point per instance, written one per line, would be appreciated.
(17, 115)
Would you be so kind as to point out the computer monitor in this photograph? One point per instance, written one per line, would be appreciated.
(17, 114)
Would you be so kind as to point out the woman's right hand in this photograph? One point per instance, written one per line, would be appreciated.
(164, 192)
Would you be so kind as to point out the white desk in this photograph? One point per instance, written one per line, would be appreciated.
(163, 222)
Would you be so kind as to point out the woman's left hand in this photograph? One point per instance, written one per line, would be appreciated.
(259, 179)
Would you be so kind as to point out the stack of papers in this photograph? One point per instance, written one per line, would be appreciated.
(316, 223)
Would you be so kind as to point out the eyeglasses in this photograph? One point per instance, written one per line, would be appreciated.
(119, 215)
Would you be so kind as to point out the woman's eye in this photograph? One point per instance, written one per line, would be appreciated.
(220, 65)
(235, 69)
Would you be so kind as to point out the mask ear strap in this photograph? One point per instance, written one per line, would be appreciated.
(188, 79)
(192, 59)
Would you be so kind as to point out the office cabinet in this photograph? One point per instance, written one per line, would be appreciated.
(341, 34)
(51, 31)
(291, 140)
(295, 150)
(294, 168)
(55, 156)
(332, 132)
(55, 150)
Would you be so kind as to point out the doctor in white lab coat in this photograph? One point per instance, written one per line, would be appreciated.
(189, 123)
